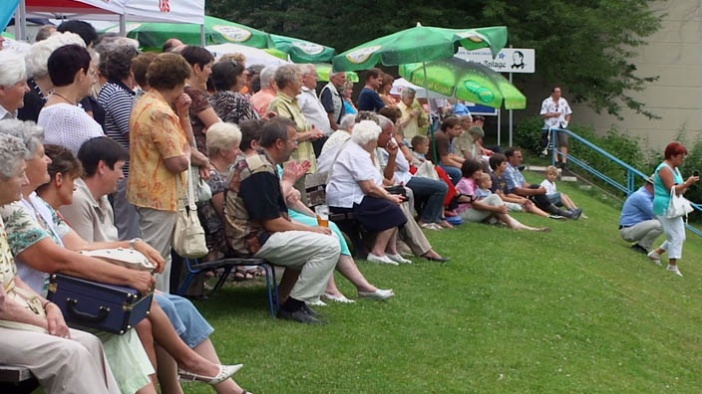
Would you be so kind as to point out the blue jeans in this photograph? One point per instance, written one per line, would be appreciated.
(453, 172)
(185, 318)
(431, 194)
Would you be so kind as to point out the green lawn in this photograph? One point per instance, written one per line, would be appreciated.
(571, 311)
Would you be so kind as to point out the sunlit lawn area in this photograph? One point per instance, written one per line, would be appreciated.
(571, 311)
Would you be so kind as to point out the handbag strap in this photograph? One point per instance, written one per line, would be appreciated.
(189, 189)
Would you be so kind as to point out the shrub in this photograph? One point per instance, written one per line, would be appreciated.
(527, 134)
(621, 146)
(693, 162)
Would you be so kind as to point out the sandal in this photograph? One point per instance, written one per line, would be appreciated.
(239, 276)
(225, 372)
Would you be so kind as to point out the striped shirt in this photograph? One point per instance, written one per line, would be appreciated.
(117, 100)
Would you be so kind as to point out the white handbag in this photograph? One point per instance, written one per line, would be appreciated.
(189, 236)
(127, 258)
(203, 193)
(678, 206)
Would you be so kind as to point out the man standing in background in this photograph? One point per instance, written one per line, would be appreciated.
(556, 113)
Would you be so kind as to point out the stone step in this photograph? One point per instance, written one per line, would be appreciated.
(563, 178)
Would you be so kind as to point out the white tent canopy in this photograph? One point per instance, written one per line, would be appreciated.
(174, 11)
(253, 55)
(401, 84)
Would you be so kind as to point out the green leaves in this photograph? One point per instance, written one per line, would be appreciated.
(586, 46)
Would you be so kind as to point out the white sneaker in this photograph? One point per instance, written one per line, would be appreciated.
(674, 269)
(340, 299)
(316, 302)
(379, 294)
(399, 259)
(380, 259)
(655, 258)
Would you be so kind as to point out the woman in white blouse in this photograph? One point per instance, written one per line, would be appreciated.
(64, 122)
(356, 185)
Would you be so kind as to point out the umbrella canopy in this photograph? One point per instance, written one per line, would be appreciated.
(301, 51)
(419, 44)
(217, 31)
(253, 55)
(401, 84)
(464, 80)
(324, 70)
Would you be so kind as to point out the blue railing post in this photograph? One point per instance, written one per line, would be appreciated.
(631, 173)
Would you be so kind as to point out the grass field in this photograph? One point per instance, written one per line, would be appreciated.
(571, 311)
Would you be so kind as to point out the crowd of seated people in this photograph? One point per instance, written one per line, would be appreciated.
(95, 146)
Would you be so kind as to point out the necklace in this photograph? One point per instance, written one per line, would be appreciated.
(64, 97)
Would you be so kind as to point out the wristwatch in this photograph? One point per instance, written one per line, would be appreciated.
(133, 242)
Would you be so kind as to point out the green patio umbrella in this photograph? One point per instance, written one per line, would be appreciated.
(217, 31)
(455, 77)
(324, 71)
(419, 44)
(301, 51)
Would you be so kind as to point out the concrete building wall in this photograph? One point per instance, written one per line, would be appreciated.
(674, 53)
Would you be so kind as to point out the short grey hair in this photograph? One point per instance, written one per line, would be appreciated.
(267, 76)
(38, 57)
(12, 154)
(12, 68)
(109, 44)
(27, 131)
(286, 74)
(308, 68)
(365, 132)
(221, 136)
(408, 92)
(385, 123)
(347, 122)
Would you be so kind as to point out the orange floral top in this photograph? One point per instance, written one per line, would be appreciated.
(155, 134)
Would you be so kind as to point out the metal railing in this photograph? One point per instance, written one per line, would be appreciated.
(632, 174)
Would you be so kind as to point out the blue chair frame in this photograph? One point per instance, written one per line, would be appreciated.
(194, 267)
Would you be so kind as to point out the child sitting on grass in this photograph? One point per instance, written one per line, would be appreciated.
(484, 190)
(489, 207)
(557, 198)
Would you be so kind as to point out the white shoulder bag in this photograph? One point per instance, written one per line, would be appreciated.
(189, 236)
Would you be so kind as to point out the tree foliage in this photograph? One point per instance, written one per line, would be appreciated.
(586, 46)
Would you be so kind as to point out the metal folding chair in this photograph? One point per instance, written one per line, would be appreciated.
(194, 267)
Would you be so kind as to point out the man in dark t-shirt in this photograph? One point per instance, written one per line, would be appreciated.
(257, 221)
(369, 99)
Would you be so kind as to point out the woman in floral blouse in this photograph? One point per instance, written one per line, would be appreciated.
(231, 106)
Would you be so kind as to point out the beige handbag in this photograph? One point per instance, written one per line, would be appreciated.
(127, 258)
(28, 300)
(189, 236)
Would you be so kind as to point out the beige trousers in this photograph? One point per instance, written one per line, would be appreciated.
(314, 254)
(157, 230)
(75, 365)
(412, 234)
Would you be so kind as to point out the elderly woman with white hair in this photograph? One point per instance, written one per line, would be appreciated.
(262, 99)
(39, 81)
(222, 148)
(340, 136)
(13, 84)
(356, 185)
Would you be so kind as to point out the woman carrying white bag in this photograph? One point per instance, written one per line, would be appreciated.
(670, 206)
